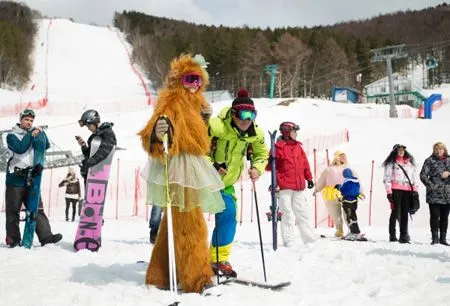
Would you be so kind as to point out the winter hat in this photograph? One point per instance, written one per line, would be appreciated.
(397, 146)
(243, 101)
(347, 173)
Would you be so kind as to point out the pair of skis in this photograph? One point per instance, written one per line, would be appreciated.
(252, 283)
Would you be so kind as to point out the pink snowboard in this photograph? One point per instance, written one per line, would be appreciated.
(90, 226)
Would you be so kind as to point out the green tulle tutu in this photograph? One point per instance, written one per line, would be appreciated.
(193, 182)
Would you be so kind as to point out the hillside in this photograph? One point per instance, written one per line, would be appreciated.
(310, 60)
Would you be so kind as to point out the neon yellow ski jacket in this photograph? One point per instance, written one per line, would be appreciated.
(229, 145)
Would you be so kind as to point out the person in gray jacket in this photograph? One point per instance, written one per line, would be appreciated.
(435, 175)
(21, 154)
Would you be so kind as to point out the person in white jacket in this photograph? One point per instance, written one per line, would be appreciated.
(400, 182)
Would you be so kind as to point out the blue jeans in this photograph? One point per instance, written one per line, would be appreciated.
(155, 218)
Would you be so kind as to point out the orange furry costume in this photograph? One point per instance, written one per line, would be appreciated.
(189, 146)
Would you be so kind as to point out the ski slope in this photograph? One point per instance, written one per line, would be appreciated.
(78, 66)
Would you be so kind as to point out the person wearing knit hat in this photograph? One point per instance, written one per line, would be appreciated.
(234, 134)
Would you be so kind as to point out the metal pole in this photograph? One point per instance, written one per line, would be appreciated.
(392, 109)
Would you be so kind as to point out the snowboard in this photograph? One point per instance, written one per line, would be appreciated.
(89, 230)
(251, 283)
(34, 177)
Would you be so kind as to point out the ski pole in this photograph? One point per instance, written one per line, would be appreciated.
(250, 157)
(259, 231)
(217, 249)
(172, 262)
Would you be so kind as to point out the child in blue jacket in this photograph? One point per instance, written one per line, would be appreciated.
(351, 191)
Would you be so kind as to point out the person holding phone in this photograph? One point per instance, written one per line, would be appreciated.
(91, 119)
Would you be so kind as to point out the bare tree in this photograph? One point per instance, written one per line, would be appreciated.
(290, 53)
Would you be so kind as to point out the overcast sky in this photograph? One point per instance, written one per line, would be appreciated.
(254, 13)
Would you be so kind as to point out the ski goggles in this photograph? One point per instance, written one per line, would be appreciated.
(192, 80)
(245, 114)
(27, 113)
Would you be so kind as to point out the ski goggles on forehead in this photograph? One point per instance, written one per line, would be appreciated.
(191, 79)
(246, 114)
(27, 112)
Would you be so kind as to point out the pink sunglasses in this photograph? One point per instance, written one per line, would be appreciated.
(192, 80)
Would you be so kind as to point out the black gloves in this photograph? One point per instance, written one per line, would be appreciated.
(37, 170)
(218, 166)
(390, 199)
(310, 184)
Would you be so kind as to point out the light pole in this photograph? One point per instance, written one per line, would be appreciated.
(272, 70)
(388, 54)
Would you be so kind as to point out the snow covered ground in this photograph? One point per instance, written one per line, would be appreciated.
(324, 273)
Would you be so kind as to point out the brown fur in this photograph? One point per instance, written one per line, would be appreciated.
(190, 137)
(191, 252)
(183, 110)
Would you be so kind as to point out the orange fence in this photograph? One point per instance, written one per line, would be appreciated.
(136, 71)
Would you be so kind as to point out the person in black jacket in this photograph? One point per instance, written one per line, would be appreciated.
(91, 119)
(435, 175)
(73, 192)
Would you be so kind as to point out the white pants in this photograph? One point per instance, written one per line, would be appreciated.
(294, 206)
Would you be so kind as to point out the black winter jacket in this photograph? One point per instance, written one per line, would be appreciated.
(438, 189)
(72, 185)
(109, 141)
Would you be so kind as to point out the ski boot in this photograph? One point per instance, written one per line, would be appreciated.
(223, 268)
(51, 239)
(11, 243)
(153, 234)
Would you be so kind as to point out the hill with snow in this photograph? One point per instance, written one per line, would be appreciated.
(79, 66)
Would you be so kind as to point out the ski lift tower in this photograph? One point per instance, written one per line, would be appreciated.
(272, 70)
(388, 54)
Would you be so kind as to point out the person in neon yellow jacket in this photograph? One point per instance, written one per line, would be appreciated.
(233, 132)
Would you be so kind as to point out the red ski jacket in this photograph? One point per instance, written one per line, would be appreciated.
(291, 164)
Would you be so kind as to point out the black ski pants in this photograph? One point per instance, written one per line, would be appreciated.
(14, 197)
(439, 217)
(402, 199)
(351, 217)
(74, 207)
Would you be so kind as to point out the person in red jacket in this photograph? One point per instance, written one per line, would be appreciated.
(293, 176)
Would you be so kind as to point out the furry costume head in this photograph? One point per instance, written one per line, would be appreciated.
(182, 106)
(186, 64)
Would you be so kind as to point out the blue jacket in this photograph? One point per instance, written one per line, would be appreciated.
(350, 190)
(21, 154)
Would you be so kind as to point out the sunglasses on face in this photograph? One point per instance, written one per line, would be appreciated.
(246, 114)
(192, 80)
